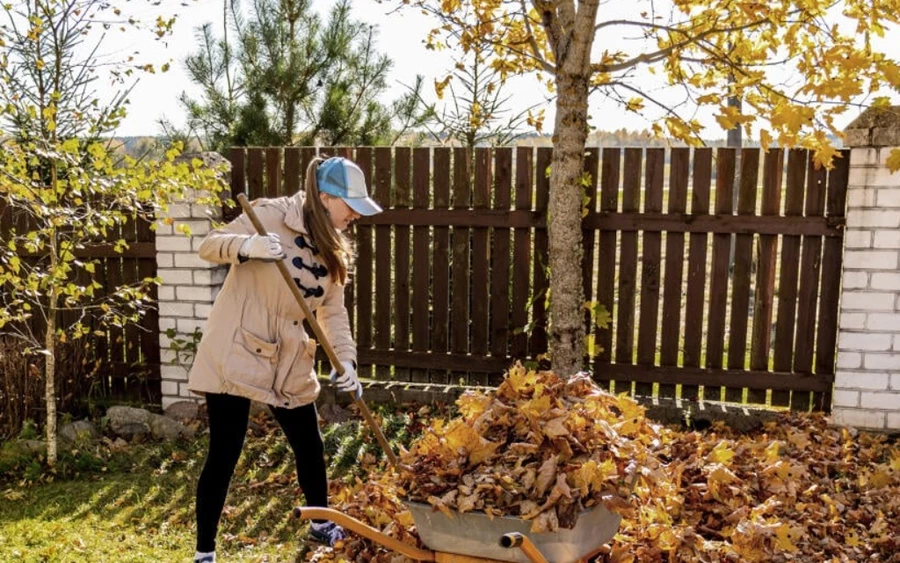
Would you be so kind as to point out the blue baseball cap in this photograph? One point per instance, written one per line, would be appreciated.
(342, 178)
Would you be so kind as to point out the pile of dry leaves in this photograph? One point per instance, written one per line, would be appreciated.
(797, 490)
(541, 447)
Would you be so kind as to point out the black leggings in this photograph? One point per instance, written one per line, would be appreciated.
(228, 416)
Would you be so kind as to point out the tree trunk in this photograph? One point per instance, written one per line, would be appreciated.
(570, 31)
(50, 359)
(565, 236)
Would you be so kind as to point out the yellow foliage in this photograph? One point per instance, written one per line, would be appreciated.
(893, 160)
(635, 104)
(722, 453)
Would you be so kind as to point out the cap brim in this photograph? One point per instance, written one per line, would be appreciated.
(363, 205)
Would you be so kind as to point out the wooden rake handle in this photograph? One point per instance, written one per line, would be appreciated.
(320, 334)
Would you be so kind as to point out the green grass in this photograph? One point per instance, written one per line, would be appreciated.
(143, 513)
(138, 505)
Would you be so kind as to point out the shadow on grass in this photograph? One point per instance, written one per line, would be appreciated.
(150, 505)
(137, 505)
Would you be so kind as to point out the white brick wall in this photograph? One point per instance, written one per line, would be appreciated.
(189, 287)
(867, 383)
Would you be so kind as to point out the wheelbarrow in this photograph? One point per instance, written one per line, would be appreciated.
(474, 537)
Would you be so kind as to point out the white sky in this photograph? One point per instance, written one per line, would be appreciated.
(400, 37)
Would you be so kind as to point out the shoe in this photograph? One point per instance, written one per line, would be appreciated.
(328, 533)
(206, 559)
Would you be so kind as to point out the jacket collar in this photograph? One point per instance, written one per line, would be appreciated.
(293, 218)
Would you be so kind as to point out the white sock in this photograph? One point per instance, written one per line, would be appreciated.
(321, 525)
(198, 556)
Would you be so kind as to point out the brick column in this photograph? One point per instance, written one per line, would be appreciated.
(867, 384)
(189, 286)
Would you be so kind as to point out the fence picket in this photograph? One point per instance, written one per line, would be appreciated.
(767, 253)
(382, 193)
(499, 265)
(480, 284)
(628, 260)
(606, 254)
(364, 265)
(788, 274)
(696, 274)
(589, 236)
(273, 172)
(459, 319)
(650, 262)
(810, 266)
(238, 182)
(420, 265)
(441, 263)
(401, 201)
(538, 342)
(521, 256)
(832, 261)
(743, 257)
(674, 275)
(292, 172)
(306, 155)
(718, 283)
(255, 168)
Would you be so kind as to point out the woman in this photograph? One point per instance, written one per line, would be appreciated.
(255, 346)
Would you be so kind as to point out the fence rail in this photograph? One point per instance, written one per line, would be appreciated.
(717, 267)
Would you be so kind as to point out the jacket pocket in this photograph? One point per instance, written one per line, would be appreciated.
(301, 379)
(253, 360)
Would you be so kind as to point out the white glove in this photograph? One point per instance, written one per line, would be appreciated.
(348, 382)
(265, 248)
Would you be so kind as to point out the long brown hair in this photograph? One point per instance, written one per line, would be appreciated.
(334, 247)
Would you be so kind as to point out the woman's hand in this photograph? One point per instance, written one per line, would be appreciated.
(348, 381)
(266, 248)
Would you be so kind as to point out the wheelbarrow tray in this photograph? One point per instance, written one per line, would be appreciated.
(477, 535)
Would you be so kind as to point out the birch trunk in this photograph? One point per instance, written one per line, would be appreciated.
(50, 359)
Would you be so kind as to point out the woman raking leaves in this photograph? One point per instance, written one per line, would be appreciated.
(255, 346)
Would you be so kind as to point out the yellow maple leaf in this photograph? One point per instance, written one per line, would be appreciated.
(895, 461)
(722, 453)
(878, 479)
(439, 86)
(635, 104)
(785, 535)
(791, 117)
(730, 117)
(630, 408)
(765, 139)
(534, 408)
(518, 378)
(460, 435)
(472, 404)
(591, 475)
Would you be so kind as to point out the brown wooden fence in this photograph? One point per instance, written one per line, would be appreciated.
(720, 269)
(129, 356)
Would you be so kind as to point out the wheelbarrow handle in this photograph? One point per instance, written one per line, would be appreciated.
(364, 530)
(515, 539)
(320, 334)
